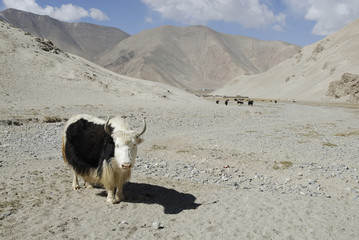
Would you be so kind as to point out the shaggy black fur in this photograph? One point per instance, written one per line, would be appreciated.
(87, 146)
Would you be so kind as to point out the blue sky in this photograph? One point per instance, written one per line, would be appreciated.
(301, 22)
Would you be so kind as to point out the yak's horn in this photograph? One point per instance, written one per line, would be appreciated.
(106, 126)
(144, 127)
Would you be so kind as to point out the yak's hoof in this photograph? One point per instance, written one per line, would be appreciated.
(111, 201)
(88, 185)
(119, 198)
(76, 187)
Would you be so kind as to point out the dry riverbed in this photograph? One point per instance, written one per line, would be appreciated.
(277, 171)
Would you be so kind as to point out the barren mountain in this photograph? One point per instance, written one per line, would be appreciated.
(38, 78)
(326, 70)
(87, 40)
(193, 57)
(186, 57)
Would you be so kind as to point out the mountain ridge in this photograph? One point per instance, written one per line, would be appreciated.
(193, 57)
(68, 37)
(309, 74)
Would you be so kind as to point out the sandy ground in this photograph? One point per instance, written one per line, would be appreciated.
(271, 171)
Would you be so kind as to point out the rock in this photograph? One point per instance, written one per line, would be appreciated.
(5, 214)
(156, 225)
(348, 85)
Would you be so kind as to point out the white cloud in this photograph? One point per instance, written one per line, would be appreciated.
(98, 14)
(250, 14)
(66, 12)
(329, 15)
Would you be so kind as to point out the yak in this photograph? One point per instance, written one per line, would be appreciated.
(101, 152)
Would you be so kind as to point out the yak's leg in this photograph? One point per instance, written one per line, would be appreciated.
(111, 196)
(75, 182)
(119, 194)
(88, 185)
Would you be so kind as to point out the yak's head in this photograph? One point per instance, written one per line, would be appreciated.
(125, 140)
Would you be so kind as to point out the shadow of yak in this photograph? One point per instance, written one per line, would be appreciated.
(172, 201)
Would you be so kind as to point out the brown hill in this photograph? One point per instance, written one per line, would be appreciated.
(86, 40)
(326, 70)
(193, 57)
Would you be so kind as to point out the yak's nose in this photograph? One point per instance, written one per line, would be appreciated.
(126, 165)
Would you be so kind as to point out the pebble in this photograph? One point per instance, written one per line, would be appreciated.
(156, 225)
(5, 214)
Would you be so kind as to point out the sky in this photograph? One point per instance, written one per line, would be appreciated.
(300, 22)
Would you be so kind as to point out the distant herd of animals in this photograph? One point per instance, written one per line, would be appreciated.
(240, 102)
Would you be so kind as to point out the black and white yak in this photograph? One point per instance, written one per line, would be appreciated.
(101, 152)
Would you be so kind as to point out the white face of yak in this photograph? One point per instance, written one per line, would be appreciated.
(126, 148)
(125, 143)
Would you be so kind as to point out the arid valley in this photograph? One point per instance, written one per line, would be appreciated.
(285, 170)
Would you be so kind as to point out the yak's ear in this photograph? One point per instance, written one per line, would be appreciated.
(139, 140)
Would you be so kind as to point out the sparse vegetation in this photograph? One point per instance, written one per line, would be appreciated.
(182, 151)
(286, 164)
(347, 134)
(53, 119)
(282, 165)
(10, 204)
(157, 147)
(276, 167)
(311, 134)
(328, 144)
(250, 131)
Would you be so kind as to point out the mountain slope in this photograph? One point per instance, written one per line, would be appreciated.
(185, 57)
(87, 40)
(38, 78)
(317, 72)
(193, 57)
